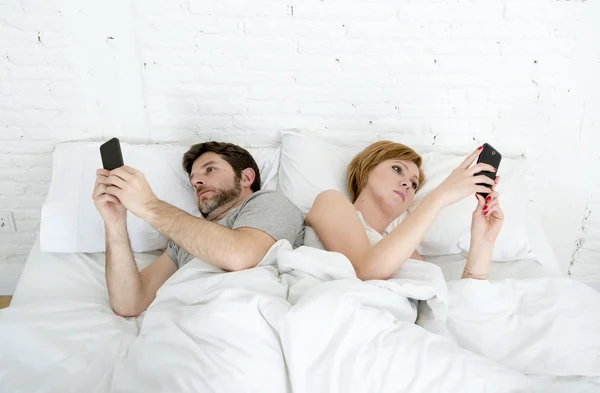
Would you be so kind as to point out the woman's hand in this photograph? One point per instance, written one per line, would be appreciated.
(487, 218)
(461, 182)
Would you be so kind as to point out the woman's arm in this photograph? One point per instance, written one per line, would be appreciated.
(485, 228)
(335, 221)
(417, 256)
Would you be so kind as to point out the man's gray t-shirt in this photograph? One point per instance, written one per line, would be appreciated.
(266, 210)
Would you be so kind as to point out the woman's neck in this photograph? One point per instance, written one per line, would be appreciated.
(373, 216)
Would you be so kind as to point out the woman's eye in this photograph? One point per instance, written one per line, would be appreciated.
(414, 185)
(397, 168)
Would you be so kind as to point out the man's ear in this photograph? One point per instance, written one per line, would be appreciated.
(248, 177)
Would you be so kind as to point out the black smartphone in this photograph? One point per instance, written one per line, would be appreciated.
(112, 158)
(490, 156)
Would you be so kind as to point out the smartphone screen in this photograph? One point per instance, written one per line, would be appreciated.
(112, 158)
(490, 156)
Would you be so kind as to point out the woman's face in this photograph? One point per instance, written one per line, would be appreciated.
(393, 184)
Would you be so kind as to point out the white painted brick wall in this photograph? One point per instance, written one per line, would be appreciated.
(523, 75)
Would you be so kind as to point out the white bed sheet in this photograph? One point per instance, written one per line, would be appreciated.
(55, 276)
(49, 279)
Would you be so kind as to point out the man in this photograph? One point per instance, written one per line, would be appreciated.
(241, 222)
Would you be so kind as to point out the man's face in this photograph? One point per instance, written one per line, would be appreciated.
(215, 183)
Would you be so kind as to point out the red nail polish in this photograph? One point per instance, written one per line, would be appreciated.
(489, 198)
(484, 208)
(485, 214)
(480, 147)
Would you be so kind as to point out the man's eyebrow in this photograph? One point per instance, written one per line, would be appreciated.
(416, 179)
(204, 166)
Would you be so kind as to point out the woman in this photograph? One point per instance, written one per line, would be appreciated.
(544, 326)
(383, 180)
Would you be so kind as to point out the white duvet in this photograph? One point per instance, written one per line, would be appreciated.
(302, 322)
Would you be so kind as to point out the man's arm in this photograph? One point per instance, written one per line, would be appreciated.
(131, 292)
(228, 249)
(225, 248)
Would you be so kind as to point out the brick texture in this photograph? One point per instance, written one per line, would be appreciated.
(522, 75)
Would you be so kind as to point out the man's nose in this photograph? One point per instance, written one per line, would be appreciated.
(198, 183)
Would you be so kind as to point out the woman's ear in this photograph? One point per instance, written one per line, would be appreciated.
(248, 177)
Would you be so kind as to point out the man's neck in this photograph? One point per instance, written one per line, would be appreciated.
(221, 212)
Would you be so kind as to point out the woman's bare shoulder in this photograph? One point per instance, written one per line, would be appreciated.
(328, 201)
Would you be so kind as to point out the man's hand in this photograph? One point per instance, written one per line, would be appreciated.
(110, 208)
(132, 189)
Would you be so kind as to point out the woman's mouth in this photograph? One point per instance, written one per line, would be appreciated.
(401, 194)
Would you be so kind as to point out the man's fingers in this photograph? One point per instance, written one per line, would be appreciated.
(130, 170)
(122, 173)
(99, 190)
(102, 172)
(114, 180)
(108, 198)
(112, 190)
(470, 159)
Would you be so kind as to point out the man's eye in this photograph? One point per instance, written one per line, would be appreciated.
(210, 169)
(397, 168)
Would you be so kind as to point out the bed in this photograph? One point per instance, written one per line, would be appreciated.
(299, 322)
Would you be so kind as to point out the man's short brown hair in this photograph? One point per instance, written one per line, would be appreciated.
(364, 162)
(238, 157)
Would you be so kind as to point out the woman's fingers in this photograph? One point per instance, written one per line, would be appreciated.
(482, 167)
(471, 159)
(490, 205)
(480, 201)
(484, 180)
(491, 196)
(481, 189)
(495, 211)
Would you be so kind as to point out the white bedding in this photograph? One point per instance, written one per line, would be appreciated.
(346, 335)
(60, 335)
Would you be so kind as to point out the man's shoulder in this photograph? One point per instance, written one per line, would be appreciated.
(269, 198)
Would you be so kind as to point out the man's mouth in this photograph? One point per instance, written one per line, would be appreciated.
(203, 192)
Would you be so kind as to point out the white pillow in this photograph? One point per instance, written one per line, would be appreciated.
(71, 223)
(310, 164)
(450, 233)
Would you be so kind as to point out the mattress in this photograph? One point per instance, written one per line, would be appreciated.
(55, 276)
